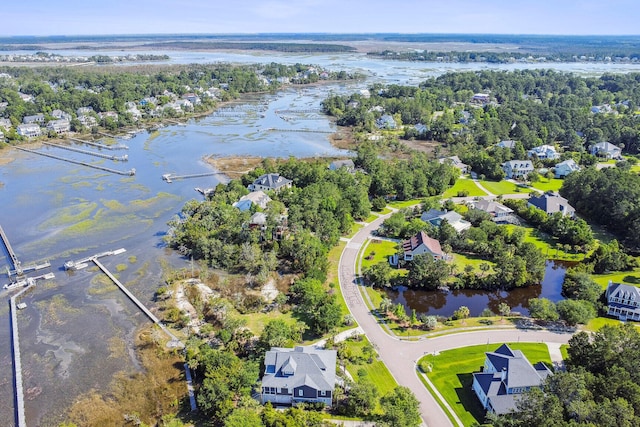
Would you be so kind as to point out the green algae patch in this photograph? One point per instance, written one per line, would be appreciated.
(70, 215)
(121, 267)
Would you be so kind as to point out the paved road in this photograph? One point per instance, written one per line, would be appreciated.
(400, 356)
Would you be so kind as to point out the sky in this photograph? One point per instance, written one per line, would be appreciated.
(84, 17)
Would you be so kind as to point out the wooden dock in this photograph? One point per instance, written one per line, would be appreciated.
(299, 130)
(174, 341)
(170, 177)
(105, 146)
(12, 255)
(123, 158)
(130, 172)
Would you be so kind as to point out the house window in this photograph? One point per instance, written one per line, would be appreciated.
(321, 392)
(300, 392)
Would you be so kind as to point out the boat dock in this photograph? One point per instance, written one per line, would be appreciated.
(174, 341)
(28, 281)
(170, 177)
(84, 262)
(105, 146)
(12, 255)
(205, 191)
(130, 172)
(309, 111)
(299, 130)
(90, 153)
(15, 347)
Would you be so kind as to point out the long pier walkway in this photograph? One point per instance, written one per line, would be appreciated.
(299, 130)
(90, 153)
(17, 363)
(12, 255)
(175, 342)
(169, 177)
(130, 172)
(105, 146)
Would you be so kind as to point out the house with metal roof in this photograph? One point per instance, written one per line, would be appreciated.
(339, 164)
(298, 375)
(270, 181)
(505, 377)
(623, 301)
(544, 152)
(456, 163)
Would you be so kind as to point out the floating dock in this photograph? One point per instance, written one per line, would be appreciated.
(205, 191)
(130, 172)
(28, 281)
(84, 262)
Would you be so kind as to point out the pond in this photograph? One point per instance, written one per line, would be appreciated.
(443, 303)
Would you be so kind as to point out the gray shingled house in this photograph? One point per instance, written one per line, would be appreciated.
(270, 181)
(298, 375)
(506, 375)
(551, 203)
(623, 301)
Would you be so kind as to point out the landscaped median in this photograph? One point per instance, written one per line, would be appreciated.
(451, 371)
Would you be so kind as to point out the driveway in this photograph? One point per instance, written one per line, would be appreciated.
(401, 356)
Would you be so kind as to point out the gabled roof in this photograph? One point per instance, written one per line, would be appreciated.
(435, 217)
(506, 144)
(272, 180)
(622, 291)
(551, 203)
(491, 206)
(422, 239)
(301, 366)
(519, 164)
(337, 164)
(259, 197)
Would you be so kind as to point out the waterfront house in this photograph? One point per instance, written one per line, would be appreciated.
(110, 114)
(517, 169)
(192, 98)
(339, 164)
(498, 211)
(298, 375)
(259, 198)
(623, 301)
(563, 169)
(84, 110)
(37, 118)
(59, 126)
(544, 152)
(435, 217)
(455, 162)
(505, 377)
(606, 150)
(270, 181)
(551, 203)
(421, 244)
(30, 131)
(87, 121)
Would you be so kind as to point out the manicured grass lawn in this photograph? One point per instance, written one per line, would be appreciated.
(452, 371)
(371, 218)
(546, 244)
(460, 261)
(382, 249)
(504, 187)
(628, 277)
(256, 321)
(464, 184)
(354, 229)
(399, 204)
(548, 184)
(376, 372)
(597, 323)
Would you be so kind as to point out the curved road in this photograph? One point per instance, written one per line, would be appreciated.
(401, 356)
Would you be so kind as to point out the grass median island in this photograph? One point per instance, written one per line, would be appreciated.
(451, 374)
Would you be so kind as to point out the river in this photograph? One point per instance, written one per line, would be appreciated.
(77, 330)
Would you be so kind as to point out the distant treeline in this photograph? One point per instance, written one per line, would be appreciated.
(598, 55)
(278, 47)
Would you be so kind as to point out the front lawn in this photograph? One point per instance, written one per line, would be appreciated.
(545, 184)
(627, 277)
(378, 251)
(401, 204)
(461, 261)
(376, 371)
(451, 374)
(464, 185)
(504, 187)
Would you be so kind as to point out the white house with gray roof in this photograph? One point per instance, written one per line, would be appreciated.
(623, 301)
(517, 169)
(606, 150)
(435, 217)
(298, 375)
(270, 181)
(563, 169)
(498, 211)
(505, 377)
(551, 203)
